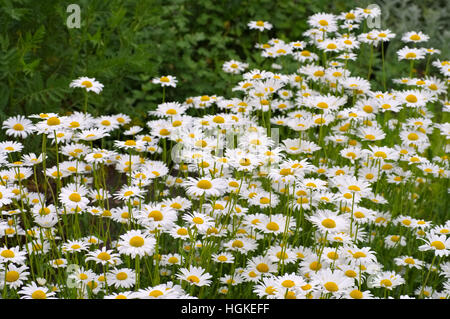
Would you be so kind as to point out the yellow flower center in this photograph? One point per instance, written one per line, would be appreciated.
(53, 121)
(438, 245)
(331, 286)
(406, 222)
(44, 211)
(262, 267)
(12, 276)
(198, 220)
(176, 205)
(350, 16)
(328, 223)
(222, 258)
(413, 137)
(306, 287)
(130, 143)
(86, 84)
(368, 108)
(19, 176)
(315, 266)
(156, 293)
(285, 171)
(380, 154)
(218, 119)
(164, 132)
(359, 254)
(122, 276)
(92, 285)
(281, 255)
(332, 255)
(322, 105)
(237, 244)
(244, 162)
(83, 276)
(38, 294)
(137, 241)
(319, 73)
(351, 154)
(386, 283)
(172, 260)
(75, 197)
(18, 127)
(359, 215)
(164, 79)
(128, 193)
(156, 215)
(288, 283)
(193, 279)
(270, 290)
(302, 200)
(356, 294)
(272, 226)
(104, 256)
(204, 184)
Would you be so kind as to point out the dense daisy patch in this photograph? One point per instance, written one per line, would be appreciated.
(304, 185)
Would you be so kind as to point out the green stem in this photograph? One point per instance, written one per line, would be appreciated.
(426, 279)
(382, 61)
(411, 68)
(164, 94)
(137, 272)
(85, 102)
(370, 62)
(427, 67)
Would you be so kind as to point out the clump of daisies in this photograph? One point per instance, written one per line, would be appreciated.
(314, 184)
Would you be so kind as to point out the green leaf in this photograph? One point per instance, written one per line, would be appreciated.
(4, 95)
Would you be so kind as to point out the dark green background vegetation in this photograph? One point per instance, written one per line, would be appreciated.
(124, 44)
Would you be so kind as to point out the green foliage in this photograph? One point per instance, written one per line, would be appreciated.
(124, 44)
